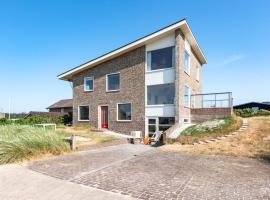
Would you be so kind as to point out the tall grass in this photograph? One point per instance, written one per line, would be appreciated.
(20, 142)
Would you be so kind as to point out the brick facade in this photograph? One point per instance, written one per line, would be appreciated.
(203, 114)
(183, 78)
(131, 66)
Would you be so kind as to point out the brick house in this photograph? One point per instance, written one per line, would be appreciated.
(145, 85)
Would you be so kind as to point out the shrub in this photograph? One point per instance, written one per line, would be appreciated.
(248, 112)
(19, 142)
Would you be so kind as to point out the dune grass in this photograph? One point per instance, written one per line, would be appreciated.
(21, 142)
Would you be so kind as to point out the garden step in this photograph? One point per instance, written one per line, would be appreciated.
(201, 142)
(208, 141)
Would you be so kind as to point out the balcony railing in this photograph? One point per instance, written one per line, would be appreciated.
(212, 100)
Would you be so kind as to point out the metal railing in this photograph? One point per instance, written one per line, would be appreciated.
(211, 100)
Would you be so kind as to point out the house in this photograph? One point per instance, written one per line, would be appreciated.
(254, 106)
(62, 106)
(2, 115)
(146, 85)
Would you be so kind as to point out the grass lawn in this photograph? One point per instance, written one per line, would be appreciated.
(208, 130)
(23, 142)
(253, 142)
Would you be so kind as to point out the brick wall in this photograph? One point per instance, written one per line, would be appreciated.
(184, 78)
(132, 90)
(204, 114)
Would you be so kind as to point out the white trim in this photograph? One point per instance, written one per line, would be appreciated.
(86, 79)
(107, 82)
(137, 44)
(120, 120)
(79, 114)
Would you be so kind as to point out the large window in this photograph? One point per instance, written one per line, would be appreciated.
(193, 100)
(165, 123)
(83, 113)
(187, 62)
(160, 94)
(160, 59)
(113, 82)
(186, 96)
(124, 112)
(88, 84)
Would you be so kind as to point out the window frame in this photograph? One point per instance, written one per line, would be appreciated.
(107, 82)
(193, 99)
(79, 113)
(117, 116)
(187, 72)
(86, 79)
(153, 105)
(197, 73)
(187, 106)
(173, 59)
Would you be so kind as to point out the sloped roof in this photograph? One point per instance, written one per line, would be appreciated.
(64, 103)
(182, 24)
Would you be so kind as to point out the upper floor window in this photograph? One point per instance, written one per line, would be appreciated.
(187, 62)
(160, 94)
(186, 96)
(124, 112)
(197, 73)
(83, 113)
(113, 82)
(88, 84)
(160, 59)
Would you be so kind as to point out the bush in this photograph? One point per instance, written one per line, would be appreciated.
(36, 120)
(19, 142)
(248, 112)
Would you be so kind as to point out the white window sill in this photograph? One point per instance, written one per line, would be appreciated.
(159, 70)
(80, 120)
(160, 105)
(124, 120)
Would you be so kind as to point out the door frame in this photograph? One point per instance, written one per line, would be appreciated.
(99, 116)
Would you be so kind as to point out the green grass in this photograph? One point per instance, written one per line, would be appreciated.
(201, 132)
(20, 142)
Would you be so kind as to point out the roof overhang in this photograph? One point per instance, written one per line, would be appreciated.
(183, 25)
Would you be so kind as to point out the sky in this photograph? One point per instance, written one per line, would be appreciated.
(41, 39)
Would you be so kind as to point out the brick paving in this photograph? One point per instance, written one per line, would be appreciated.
(168, 175)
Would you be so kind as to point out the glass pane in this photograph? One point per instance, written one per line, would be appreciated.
(84, 112)
(160, 59)
(166, 120)
(160, 94)
(151, 121)
(124, 111)
(89, 84)
(186, 96)
(151, 128)
(163, 128)
(186, 62)
(113, 82)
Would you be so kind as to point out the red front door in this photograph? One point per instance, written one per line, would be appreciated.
(104, 116)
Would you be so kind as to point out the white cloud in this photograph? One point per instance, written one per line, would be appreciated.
(233, 59)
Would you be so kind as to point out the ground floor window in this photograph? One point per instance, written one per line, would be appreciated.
(83, 113)
(124, 112)
(159, 124)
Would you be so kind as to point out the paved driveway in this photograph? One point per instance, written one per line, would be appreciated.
(141, 172)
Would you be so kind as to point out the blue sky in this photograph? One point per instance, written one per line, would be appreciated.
(40, 39)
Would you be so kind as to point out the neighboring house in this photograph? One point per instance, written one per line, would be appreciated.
(63, 106)
(38, 113)
(145, 85)
(254, 106)
(2, 115)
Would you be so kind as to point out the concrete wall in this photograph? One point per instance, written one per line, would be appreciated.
(2, 115)
(203, 114)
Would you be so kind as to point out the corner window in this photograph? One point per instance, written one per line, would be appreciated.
(124, 112)
(88, 84)
(113, 82)
(197, 73)
(186, 96)
(160, 59)
(83, 113)
(160, 94)
(186, 62)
